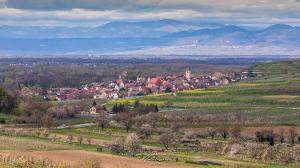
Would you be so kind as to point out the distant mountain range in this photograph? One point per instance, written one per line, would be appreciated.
(160, 37)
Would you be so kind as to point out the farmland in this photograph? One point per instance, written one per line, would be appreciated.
(225, 126)
(272, 99)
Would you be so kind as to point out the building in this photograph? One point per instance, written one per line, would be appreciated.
(188, 74)
(154, 82)
(97, 109)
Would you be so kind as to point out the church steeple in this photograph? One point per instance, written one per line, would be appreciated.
(188, 73)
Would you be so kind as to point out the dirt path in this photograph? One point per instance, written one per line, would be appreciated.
(73, 157)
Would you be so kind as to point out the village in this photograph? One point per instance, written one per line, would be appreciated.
(125, 88)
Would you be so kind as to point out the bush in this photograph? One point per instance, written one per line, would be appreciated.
(22, 162)
(2, 121)
(90, 163)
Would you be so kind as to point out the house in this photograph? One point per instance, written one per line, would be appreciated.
(140, 79)
(154, 82)
(97, 109)
(101, 96)
(114, 95)
(224, 81)
(217, 76)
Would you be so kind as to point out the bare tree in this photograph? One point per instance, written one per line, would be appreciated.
(175, 127)
(167, 139)
(80, 139)
(292, 135)
(145, 131)
(126, 120)
(236, 131)
(101, 121)
(223, 131)
(70, 138)
(271, 137)
(133, 144)
(89, 140)
(46, 134)
(281, 135)
(48, 121)
(117, 145)
(212, 132)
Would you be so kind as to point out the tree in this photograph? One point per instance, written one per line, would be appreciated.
(7, 102)
(167, 139)
(89, 140)
(145, 131)
(117, 145)
(175, 127)
(101, 121)
(168, 104)
(236, 132)
(70, 138)
(133, 144)
(292, 135)
(281, 135)
(115, 109)
(259, 136)
(271, 137)
(48, 121)
(223, 131)
(211, 132)
(168, 90)
(80, 139)
(137, 104)
(126, 119)
(36, 117)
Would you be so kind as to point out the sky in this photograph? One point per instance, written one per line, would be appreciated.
(97, 12)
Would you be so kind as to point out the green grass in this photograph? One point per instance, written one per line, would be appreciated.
(76, 120)
(32, 143)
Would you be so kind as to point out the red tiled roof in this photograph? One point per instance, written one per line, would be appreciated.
(155, 81)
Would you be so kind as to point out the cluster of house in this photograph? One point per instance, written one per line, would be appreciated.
(122, 87)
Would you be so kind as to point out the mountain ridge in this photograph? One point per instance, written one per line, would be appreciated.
(162, 36)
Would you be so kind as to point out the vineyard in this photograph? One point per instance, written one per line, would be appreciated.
(275, 102)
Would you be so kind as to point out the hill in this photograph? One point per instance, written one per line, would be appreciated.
(272, 99)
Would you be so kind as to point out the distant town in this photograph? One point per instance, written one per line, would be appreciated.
(125, 88)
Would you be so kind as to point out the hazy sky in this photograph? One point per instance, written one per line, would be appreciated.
(95, 12)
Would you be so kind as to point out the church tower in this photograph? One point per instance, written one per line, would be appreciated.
(188, 73)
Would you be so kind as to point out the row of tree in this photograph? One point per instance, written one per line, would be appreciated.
(271, 137)
(7, 102)
(137, 108)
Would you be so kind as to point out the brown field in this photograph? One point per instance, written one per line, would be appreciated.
(74, 157)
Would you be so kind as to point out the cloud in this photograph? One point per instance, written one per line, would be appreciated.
(67, 4)
(96, 11)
